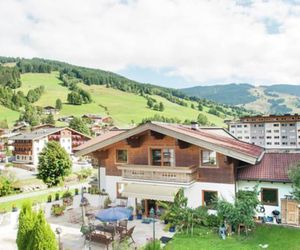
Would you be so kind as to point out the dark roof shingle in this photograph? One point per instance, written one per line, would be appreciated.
(272, 167)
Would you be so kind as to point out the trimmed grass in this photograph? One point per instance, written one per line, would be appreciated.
(7, 206)
(277, 237)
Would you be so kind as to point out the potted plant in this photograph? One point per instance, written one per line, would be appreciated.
(76, 191)
(139, 212)
(14, 208)
(57, 209)
(131, 216)
(172, 228)
(67, 198)
(49, 198)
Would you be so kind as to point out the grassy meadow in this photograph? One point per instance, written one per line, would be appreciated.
(124, 107)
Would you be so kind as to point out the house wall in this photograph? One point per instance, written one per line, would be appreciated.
(283, 189)
(38, 146)
(194, 193)
(191, 156)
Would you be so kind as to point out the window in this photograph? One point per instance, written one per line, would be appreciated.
(208, 198)
(269, 196)
(121, 156)
(120, 189)
(162, 157)
(276, 131)
(276, 125)
(209, 157)
(245, 126)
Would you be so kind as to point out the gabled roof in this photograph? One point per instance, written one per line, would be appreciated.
(273, 167)
(42, 132)
(207, 139)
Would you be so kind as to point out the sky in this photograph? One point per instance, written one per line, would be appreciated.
(174, 43)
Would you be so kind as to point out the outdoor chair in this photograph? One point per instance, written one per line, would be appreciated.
(100, 238)
(127, 235)
(122, 226)
(107, 229)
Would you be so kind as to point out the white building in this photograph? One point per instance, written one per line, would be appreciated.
(270, 132)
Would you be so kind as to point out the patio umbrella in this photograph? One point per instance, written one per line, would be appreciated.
(114, 214)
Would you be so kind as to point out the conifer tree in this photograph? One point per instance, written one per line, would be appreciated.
(26, 223)
(42, 237)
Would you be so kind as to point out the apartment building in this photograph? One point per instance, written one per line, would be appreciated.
(27, 146)
(271, 132)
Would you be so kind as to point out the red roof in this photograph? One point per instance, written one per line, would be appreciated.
(99, 138)
(273, 167)
(217, 139)
(228, 143)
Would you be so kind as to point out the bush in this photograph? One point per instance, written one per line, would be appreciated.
(57, 209)
(213, 221)
(57, 196)
(76, 191)
(152, 245)
(49, 198)
(107, 201)
(67, 194)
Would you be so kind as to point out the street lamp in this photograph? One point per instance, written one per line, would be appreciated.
(152, 215)
(58, 231)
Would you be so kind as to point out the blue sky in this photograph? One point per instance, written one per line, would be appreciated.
(174, 43)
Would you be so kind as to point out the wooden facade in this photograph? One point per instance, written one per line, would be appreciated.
(186, 156)
(290, 212)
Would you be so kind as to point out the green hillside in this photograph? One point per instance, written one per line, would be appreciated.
(124, 107)
(273, 99)
(40, 82)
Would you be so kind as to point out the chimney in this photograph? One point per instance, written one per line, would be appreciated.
(194, 126)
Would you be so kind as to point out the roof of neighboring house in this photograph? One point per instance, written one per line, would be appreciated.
(42, 132)
(93, 116)
(36, 134)
(273, 167)
(202, 137)
(49, 107)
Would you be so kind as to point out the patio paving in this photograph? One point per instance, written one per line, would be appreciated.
(72, 238)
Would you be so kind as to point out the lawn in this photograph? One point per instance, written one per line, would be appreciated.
(7, 114)
(7, 206)
(277, 237)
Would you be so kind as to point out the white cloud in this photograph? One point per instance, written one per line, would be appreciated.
(203, 41)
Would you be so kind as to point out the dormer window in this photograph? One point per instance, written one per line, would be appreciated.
(208, 158)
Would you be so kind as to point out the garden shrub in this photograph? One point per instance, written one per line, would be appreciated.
(150, 245)
(57, 196)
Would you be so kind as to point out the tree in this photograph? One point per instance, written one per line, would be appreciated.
(294, 175)
(150, 103)
(26, 223)
(242, 211)
(41, 236)
(74, 98)
(79, 125)
(54, 164)
(200, 107)
(202, 119)
(58, 104)
(49, 120)
(30, 115)
(161, 107)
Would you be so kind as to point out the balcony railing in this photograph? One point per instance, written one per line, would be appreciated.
(159, 173)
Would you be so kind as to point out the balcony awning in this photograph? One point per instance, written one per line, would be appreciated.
(150, 191)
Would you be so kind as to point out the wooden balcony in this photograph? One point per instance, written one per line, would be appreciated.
(158, 173)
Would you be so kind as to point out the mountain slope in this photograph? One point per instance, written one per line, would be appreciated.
(124, 107)
(274, 99)
(232, 94)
